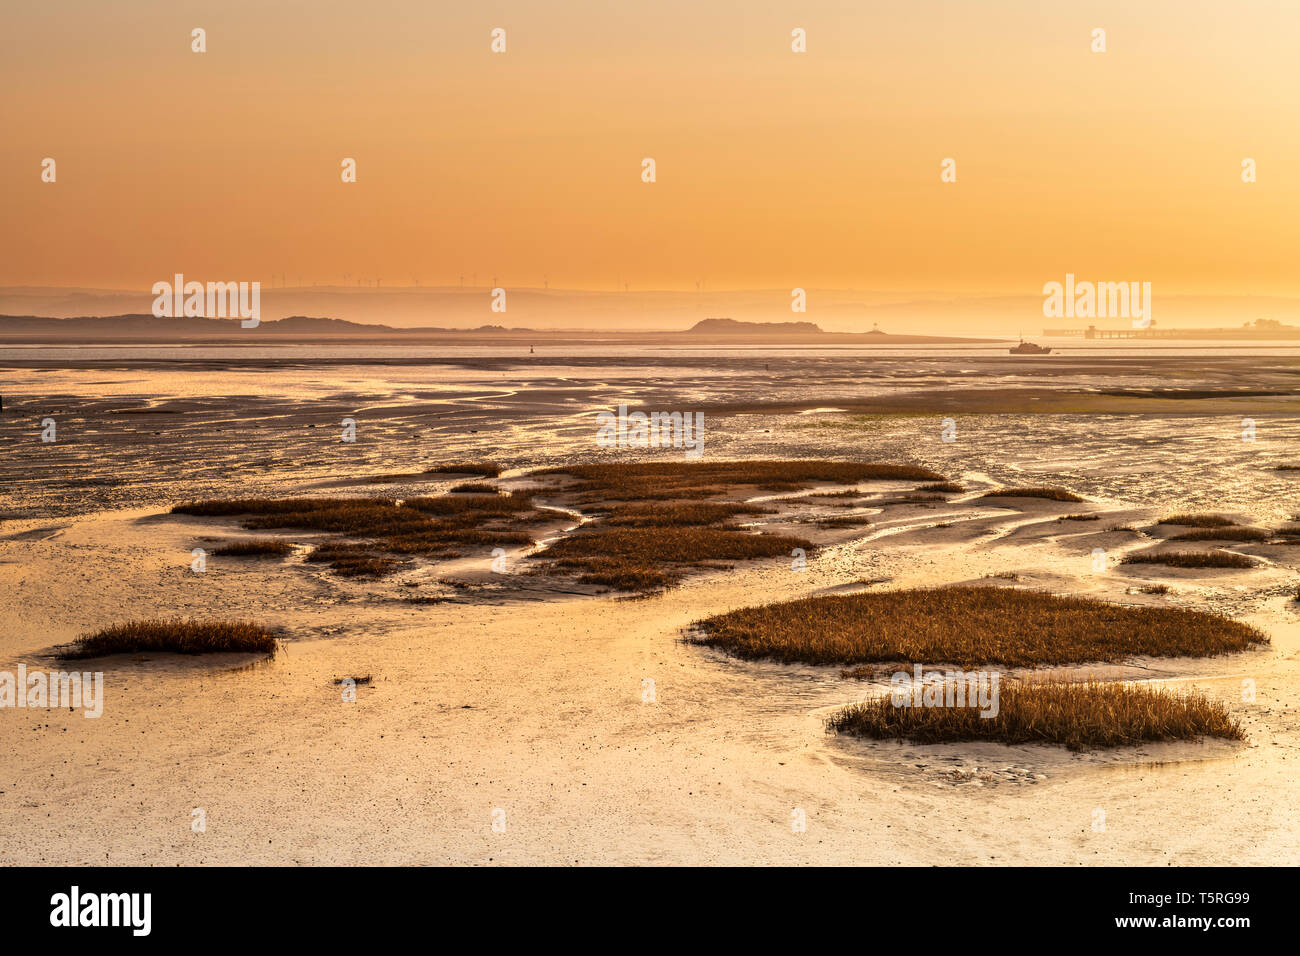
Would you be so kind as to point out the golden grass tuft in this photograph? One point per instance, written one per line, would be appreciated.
(175, 636)
(354, 560)
(1192, 559)
(968, 626)
(1038, 491)
(255, 548)
(422, 525)
(1078, 716)
(950, 487)
(654, 528)
(844, 521)
(1199, 520)
(475, 488)
(650, 523)
(479, 506)
(680, 513)
(659, 555)
(485, 468)
(654, 480)
(1234, 533)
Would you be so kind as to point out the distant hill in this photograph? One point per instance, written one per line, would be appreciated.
(734, 327)
(311, 330)
(153, 328)
(834, 310)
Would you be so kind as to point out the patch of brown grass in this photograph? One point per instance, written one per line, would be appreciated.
(968, 626)
(654, 528)
(1234, 533)
(654, 480)
(357, 516)
(1198, 520)
(354, 560)
(255, 548)
(1037, 491)
(844, 521)
(1079, 517)
(650, 529)
(950, 487)
(422, 525)
(479, 506)
(1078, 716)
(177, 636)
(485, 468)
(659, 554)
(475, 488)
(680, 513)
(1192, 559)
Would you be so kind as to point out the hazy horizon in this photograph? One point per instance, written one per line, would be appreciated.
(834, 310)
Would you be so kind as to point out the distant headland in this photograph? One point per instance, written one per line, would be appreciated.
(294, 329)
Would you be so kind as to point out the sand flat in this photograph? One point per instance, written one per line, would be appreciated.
(517, 697)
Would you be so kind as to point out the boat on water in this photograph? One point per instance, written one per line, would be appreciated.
(1029, 348)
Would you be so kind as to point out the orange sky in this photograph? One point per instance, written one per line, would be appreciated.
(775, 169)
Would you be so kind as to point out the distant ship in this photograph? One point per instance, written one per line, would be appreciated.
(1029, 348)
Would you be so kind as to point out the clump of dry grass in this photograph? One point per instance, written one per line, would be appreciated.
(1078, 716)
(177, 636)
(1198, 520)
(354, 560)
(421, 525)
(950, 487)
(654, 556)
(485, 468)
(1079, 517)
(654, 528)
(680, 513)
(1038, 491)
(255, 548)
(650, 525)
(1192, 559)
(338, 515)
(475, 488)
(844, 521)
(655, 480)
(1234, 533)
(479, 506)
(968, 626)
